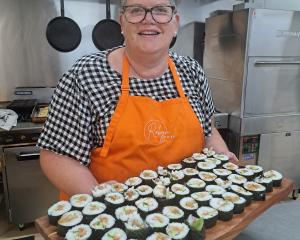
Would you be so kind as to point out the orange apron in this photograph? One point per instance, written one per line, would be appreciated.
(144, 134)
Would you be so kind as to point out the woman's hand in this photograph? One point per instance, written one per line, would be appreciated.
(232, 157)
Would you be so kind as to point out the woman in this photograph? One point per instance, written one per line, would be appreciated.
(127, 109)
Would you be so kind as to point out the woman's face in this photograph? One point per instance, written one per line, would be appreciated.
(148, 36)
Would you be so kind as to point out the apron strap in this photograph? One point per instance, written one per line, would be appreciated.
(176, 77)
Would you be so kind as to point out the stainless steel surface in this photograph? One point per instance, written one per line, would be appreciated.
(269, 4)
(25, 55)
(28, 193)
(221, 120)
(280, 151)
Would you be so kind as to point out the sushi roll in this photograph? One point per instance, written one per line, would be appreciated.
(175, 214)
(267, 182)
(101, 224)
(224, 158)
(239, 202)
(177, 176)
(195, 185)
(258, 170)
(136, 227)
(190, 173)
(189, 162)
(207, 177)
(230, 166)
(215, 161)
(189, 205)
(225, 208)
(119, 187)
(245, 172)
(209, 214)
(196, 225)
(158, 236)
(91, 210)
(276, 177)
(67, 221)
(209, 152)
(146, 206)
(113, 200)
(79, 201)
(126, 212)
(222, 173)
(178, 230)
(57, 210)
(202, 198)
(100, 190)
(223, 183)
(237, 179)
(199, 156)
(258, 190)
(157, 222)
(165, 181)
(242, 192)
(144, 190)
(131, 195)
(164, 196)
(206, 166)
(174, 166)
(79, 232)
(162, 171)
(215, 190)
(133, 181)
(115, 233)
(180, 191)
(147, 176)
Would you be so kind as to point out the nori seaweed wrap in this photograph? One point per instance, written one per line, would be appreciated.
(67, 221)
(57, 210)
(101, 224)
(136, 228)
(209, 214)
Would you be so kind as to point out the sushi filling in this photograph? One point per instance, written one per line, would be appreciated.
(196, 183)
(173, 212)
(102, 222)
(80, 200)
(133, 181)
(79, 232)
(115, 233)
(144, 190)
(199, 156)
(114, 198)
(147, 204)
(59, 208)
(71, 218)
(177, 230)
(126, 212)
(188, 203)
(157, 220)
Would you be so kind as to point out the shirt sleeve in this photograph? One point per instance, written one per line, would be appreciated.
(68, 125)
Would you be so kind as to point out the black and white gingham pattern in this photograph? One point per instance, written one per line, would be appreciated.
(86, 97)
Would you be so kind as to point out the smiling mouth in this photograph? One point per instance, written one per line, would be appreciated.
(149, 33)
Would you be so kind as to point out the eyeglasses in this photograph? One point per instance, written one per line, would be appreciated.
(160, 14)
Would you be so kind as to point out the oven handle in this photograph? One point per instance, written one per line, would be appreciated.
(26, 156)
(277, 62)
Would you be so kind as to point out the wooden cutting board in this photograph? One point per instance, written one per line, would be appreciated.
(221, 231)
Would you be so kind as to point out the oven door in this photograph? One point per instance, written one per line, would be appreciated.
(28, 192)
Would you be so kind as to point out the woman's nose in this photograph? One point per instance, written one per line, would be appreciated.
(148, 18)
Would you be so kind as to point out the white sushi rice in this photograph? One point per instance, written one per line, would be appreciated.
(263, 180)
(215, 189)
(206, 165)
(195, 183)
(237, 179)
(59, 208)
(115, 233)
(101, 189)
(188, 203)
(157, 220)
(158, 236)
(114, 198)
(199, 156)
(201, 196)
(213, 160)
(223, 183)
(273, 174)
(119, 187)
(162, 171)
(207, 176)
(146, 204)
(162, 181)
(221, 157)
(208, 151)
(240, 190)
(254, 168)
(222, 172)
(160, 191)
(148, 174)
(189, 160)
(221, 204)
(144, 190)
(254, 187)
(190, 171)
(133, 181)
(135, 223)
(71, 218)
(207, 212)
(80, 200)
(102, 221)
(177, 175)
(180, 189)
(93, 208)
(131, 194)
(234, 198)
(125, 212)
(79, 232)
(177, 230)
(230, 166)
(175, 166)
(173, 212)
(245, 172)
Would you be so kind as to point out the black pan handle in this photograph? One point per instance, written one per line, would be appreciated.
(26, 156)
(62, 8)
(108, 16)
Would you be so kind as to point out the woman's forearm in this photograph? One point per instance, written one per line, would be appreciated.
(66, 173)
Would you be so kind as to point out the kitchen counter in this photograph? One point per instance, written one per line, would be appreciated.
(221, 231)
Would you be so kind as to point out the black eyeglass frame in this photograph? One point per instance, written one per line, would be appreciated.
(174, 11)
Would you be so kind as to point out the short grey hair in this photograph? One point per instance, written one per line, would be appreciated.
(172, 2)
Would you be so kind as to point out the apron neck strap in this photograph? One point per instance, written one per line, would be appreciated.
(125, 76)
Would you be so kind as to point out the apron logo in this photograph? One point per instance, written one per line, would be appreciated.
(156, 132)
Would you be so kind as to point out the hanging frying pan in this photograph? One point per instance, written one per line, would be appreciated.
(107, 33)
(63, 33)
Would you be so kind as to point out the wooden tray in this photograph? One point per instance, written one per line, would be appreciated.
(221, 231)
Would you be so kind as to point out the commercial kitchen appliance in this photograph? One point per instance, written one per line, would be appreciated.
(252, 61)
(27, 192)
